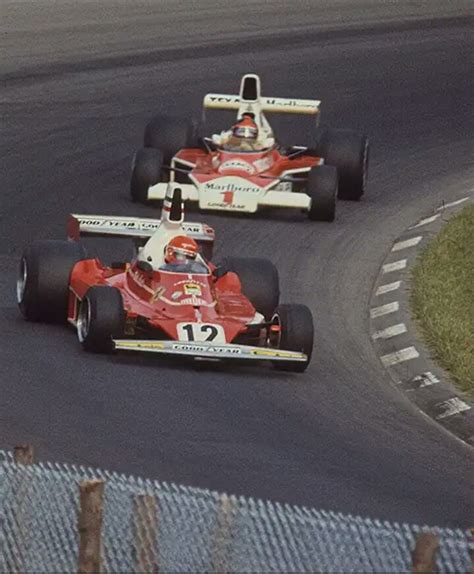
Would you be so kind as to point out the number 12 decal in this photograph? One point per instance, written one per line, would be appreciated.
(200, 332)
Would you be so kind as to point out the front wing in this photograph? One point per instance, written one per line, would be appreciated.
(241, 202)
(209, 350)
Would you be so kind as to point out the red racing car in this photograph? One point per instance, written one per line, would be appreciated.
(244, 168)
(169, 299)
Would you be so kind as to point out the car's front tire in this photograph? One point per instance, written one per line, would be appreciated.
(169, 135)
(296, 333)
(349, 152)
(101, 318)
(322, 186)
(146, 171)
(43, 279)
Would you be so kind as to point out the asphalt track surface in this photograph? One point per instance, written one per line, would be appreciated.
(79, 80)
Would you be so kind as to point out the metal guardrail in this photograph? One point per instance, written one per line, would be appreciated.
(150, 526)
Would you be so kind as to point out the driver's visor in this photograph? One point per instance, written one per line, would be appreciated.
(247, 132)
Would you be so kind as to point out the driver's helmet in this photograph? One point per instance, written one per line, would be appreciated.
(181, 249)
(245, 129)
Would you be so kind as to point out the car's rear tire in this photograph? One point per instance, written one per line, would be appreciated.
(43, 279)
(349, 152)
(296, 334)
(322, 186)
(169, 135)
(146, 171)
(101, 317)
(259, 280)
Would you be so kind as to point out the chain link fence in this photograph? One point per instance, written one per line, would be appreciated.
(151, 526)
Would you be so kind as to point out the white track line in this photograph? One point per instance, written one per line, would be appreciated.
(390, 332)
(453, 406)
(388, 287)
(384, 309)
(425, 379)
(453, 203)
(395, 266)
(399, 356)
(426, 220)
(407, 243)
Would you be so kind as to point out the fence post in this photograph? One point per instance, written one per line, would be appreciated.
(221, 548)
(90, 526)
(145, 533)
(23, 455)
(424, 554)
(471, 548)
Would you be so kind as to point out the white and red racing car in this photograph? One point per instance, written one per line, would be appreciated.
(245, 167)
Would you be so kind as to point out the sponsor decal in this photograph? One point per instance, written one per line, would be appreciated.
(206, 349)
(138, 277)
(116, 223)
(226, 205)
(192, 289)
(271, 353)
(288, 103)
(264, 163)
(189, 281)
(236, 164)
(229, 184)
(157, 295)
(286, 186)
(176, 295)
(140, 344)
(196, 302)
(229, 99)
(192, 228)
(140, 225)
(281, 102)
(193, 300)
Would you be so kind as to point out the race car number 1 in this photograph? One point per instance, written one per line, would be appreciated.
(200, 332)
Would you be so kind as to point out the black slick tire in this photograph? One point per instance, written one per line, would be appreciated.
(43, 279)
(101, 318)
(259, 280)
(296, 334)
(349, 152)
(146, 171)
(169, 135)
(322, 186)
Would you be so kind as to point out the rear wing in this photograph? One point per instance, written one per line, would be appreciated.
(133, 227)
(273, 105)
(250, 97)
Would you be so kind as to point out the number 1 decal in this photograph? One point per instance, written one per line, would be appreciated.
(228, 198)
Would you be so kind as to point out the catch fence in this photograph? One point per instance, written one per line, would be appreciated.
(150, 526)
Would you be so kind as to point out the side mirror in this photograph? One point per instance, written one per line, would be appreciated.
(145, 267)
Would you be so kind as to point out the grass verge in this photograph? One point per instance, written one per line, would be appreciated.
(442, 298)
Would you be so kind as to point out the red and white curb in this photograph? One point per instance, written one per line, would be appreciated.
(395, 337)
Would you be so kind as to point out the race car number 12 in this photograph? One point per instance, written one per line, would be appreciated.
(200, 332)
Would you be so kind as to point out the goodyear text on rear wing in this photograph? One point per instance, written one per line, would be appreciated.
(117, 226)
